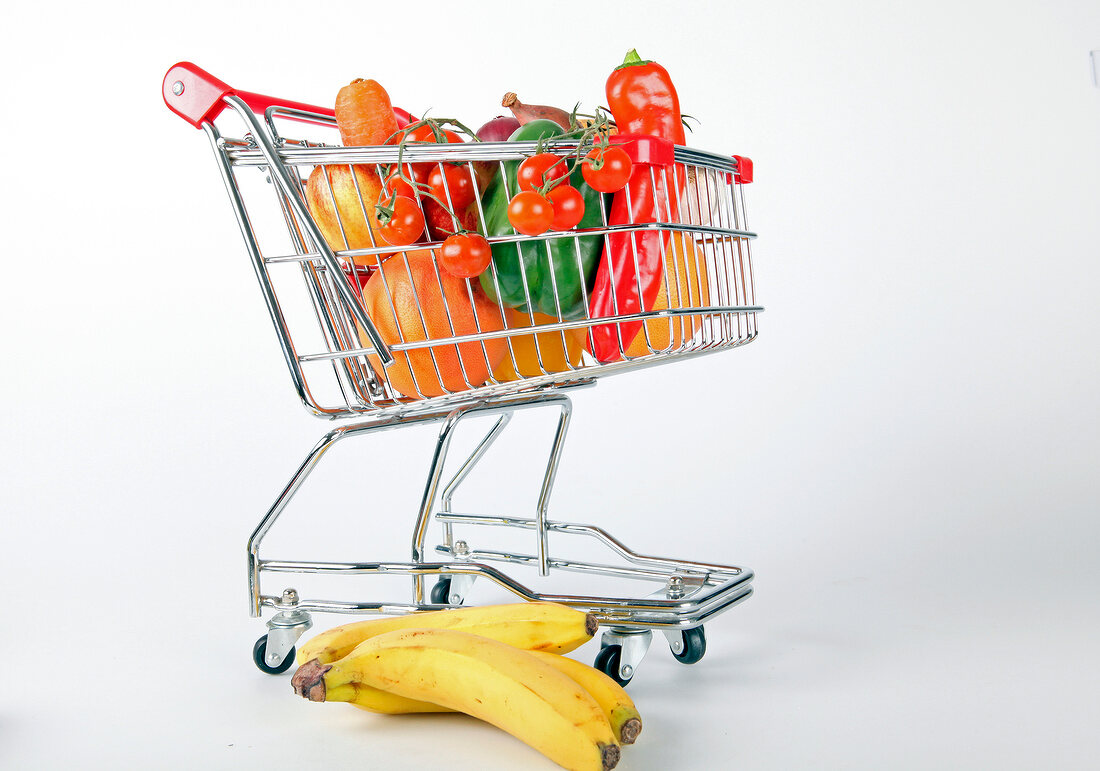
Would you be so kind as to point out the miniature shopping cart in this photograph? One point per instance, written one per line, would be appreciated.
(346, 363)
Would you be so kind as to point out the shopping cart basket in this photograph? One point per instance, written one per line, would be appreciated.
(383, 336)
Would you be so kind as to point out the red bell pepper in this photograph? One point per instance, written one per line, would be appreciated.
(642, 100)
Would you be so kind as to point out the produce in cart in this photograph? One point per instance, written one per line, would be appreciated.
(549, 277)
(525, 113)
(448, 189)
(343, 198)
(643, 101)
(541, 352)
(496, 130)
(364, 114)
(410, 300)
(684, 286)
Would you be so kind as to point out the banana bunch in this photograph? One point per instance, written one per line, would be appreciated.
(493, 663)
(542, 626)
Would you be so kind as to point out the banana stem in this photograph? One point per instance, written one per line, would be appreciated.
(309, 681)
(629, 731)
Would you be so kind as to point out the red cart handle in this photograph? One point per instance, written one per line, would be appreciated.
(198, 97)
(743, 175)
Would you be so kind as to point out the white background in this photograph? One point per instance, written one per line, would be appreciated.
(907, 456)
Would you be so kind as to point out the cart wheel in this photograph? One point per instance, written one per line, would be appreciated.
(441, 592)
(259, 655)
(608, 660)
(695, 645)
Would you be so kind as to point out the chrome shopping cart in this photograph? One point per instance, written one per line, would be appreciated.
(384, 338)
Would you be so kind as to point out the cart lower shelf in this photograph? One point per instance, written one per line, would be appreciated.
(686, 595)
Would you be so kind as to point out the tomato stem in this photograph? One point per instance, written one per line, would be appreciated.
(384, 213)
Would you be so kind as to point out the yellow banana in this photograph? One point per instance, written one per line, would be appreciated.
(376, 700)
(625, 721)
(490, 680)
(545, 626)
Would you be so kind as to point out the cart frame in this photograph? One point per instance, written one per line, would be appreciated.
(687, 594)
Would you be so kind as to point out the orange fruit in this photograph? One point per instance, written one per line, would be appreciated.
(556, 356)
(689, 266)
(408, 288)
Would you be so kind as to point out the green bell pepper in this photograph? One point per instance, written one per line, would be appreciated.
(556, 273)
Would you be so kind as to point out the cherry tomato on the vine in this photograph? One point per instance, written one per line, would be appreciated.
(613, 173)
(405, 225)
(416, 171)
(446, 177)
(396, 184)
(530, 213)
(539, 169)
(425, 134)
(421, 171)
(465, 255)
(568, 206)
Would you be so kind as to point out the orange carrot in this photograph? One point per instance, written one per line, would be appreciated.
(364, 113)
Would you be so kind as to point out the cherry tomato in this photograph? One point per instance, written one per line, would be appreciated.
(405, 225)
(465, 255)
(568, 206)
(421, 171)
(539, 169)
(416, 171)
(425, 134)
(394, 182)
(530, 213)
(613, 174)
(455, 179)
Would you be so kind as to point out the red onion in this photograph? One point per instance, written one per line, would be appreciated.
(498, 129)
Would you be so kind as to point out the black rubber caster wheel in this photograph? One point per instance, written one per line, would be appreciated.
(441, 592)
(259, 655)
(695, 645)
(608, 660)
